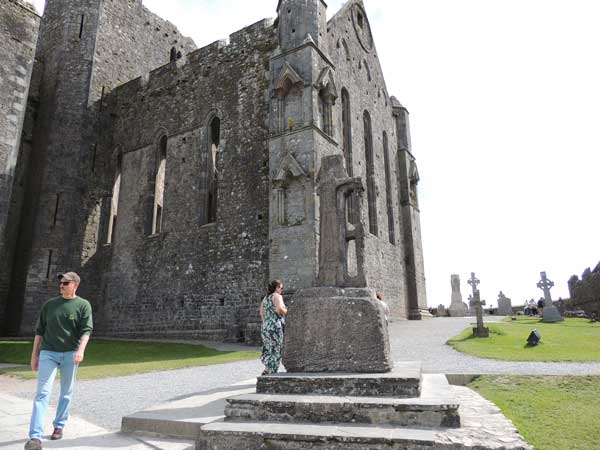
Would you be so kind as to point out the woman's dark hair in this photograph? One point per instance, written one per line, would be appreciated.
(274, 285)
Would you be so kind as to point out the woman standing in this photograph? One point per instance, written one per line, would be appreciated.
(272, 313)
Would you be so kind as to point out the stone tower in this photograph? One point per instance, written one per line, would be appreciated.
(19, 25)
(53, 217)
(60, 212)
(302, 96)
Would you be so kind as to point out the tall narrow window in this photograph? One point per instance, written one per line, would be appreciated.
(49, 266)
(388, 189)
(347, 131)
(159, 186)
(56, 206)
(81, 26)
(114, 203)
(173, 55)
(213, 155)
(371, 186)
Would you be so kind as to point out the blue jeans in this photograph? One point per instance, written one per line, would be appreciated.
(49, 363)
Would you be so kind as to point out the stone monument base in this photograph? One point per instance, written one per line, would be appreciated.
(336, 330)
(401, 410)
(481, 332)
(551, 314)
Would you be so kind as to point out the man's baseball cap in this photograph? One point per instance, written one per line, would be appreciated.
(70, 276)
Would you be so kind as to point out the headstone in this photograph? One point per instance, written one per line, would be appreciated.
(471, 305)
(550, 313)
(480, 331)
(504, 305)
(339, 325)
(458, 308)
(441, 311)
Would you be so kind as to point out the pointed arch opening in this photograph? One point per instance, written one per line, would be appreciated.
(159, 185)
(214, 141)
(388, 189)
(114, 202)
(371, 183)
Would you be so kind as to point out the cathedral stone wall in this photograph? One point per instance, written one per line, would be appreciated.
(179, 181)
(18, 36)
(131, 42)
(358, 71)
(192, 278)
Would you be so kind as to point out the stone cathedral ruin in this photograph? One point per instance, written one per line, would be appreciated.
(178, 180)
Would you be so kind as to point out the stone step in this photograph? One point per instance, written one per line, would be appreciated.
(416, 412)
(403, 382)
(286, 436)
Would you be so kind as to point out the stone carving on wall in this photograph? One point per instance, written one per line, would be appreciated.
(288, 95)
(288, 189)
(327, 95)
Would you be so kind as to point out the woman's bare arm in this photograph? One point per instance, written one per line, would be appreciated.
(279, 305)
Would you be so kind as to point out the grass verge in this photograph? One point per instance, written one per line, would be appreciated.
(550, 412)
(571, 340)
(119, 358)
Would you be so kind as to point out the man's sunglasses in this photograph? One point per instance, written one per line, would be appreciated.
(65, 283)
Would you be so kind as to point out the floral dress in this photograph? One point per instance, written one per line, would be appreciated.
(272, 336)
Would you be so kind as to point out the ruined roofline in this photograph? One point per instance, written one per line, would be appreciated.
(344, 8)
(147, 11)
(26, 6)
(279, 5)
(195, 57)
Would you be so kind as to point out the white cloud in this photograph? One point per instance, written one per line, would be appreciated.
(505, 103)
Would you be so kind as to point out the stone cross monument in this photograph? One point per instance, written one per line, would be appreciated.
(481, 331)
(551, 313)
(457, 307)
(338, 325)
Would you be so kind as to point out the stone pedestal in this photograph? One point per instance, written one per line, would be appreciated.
(336, 330)
(551, 314)
(481, 332)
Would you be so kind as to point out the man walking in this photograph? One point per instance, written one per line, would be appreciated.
(62, 332)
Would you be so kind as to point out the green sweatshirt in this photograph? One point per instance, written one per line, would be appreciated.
(63, 322)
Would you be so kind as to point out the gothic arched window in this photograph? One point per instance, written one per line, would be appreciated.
(214, 139)
(388, 189)
(114, 203)
(371, 184)
(159, 185)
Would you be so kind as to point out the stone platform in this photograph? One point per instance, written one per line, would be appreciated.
(442, 416)
(402, 382)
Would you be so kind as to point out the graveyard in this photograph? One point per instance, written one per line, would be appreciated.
(570, 340)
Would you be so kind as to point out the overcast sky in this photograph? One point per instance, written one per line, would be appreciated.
(504, 98)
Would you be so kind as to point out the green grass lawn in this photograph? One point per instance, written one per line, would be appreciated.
(571, 340)
(117, 358)
(550, 412)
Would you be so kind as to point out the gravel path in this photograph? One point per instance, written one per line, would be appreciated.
(104, 402)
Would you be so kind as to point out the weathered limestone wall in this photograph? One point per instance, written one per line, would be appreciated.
(358, 71)
(585, 292)
(18, 36)
(192, 278)
(131, 42)
(85, 46)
